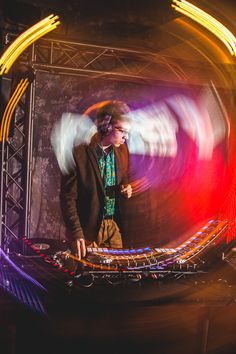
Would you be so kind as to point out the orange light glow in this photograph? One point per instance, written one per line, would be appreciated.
(208, 21)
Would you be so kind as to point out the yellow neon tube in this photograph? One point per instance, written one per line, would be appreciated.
(28, 32)
(8, 107)
(26, 44)
(16, 48)
(202, 23)
(18, 42)
(206, 18)
(21, 92)
(203, 16)
(208, 22)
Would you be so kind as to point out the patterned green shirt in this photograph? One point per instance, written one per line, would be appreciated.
(106, 162)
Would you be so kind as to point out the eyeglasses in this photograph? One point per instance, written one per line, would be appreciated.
(123, 131)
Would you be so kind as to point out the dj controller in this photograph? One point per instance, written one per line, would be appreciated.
(36, 271)
(191, 258)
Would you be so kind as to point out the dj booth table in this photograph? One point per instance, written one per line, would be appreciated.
(57, 311)
(115, 320)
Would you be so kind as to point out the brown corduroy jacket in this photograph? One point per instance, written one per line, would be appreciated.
(82, 191)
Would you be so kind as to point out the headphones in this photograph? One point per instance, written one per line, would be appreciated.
(108, 112)
(105, 125)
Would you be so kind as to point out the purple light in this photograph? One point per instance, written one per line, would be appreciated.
(21, 272)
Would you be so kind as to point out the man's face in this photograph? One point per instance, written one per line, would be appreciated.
(119, 133)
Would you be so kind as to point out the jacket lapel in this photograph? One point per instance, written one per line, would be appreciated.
(93, 158)
(118, 165)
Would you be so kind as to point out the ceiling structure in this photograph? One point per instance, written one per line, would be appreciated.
(150, 25)
(131, 23)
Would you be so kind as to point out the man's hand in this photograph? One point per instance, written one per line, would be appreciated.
(79, 248)
(126, 191)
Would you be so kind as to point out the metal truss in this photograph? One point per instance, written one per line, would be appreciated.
(64, 57)
(14, 177)
(80, 59)
(12, 189)
(15, 161)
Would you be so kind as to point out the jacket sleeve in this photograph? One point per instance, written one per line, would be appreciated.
(68, 201)
(126, 165)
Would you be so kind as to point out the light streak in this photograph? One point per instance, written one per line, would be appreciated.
(25, 40)
(12, 103)
(208, 21)
(20, 271)
(11, 107)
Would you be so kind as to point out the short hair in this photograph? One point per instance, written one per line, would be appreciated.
(109, 114)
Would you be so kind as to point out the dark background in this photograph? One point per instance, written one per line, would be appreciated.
(186, 192)
(157, 317)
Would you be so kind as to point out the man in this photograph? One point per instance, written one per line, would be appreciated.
(90, 196)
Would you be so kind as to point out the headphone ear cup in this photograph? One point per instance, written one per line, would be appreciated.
(109, 128)
(105, 125)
